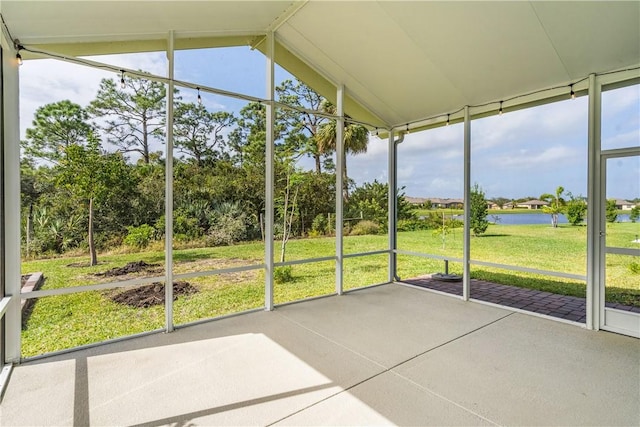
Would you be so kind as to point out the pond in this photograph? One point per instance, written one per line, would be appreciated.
(536, 218)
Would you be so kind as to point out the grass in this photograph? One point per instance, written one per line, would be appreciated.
(66, 321)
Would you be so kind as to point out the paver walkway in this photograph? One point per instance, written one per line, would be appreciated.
(562, 306)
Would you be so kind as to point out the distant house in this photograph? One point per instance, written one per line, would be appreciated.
(415, 200)
(533, 204)
(447, 203)
(624, 205)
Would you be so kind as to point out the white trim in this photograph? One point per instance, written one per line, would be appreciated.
(168, 210)
(5, 375)
(531, 270)
(392, 206)
(219, 271)
(305, 261)
(622, 251)
(11, 181)
(4, 304)
(87, 288)
(340, 162)
(359, 254)
(269, 174)
(466, 249)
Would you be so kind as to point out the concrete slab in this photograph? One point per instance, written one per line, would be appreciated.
(392, 323)
(385, 355)
(525, 370)
(248, 370)
(386, 399)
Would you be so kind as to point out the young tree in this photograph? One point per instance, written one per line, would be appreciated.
(479, 210)
(133, 115)
(556, 205)
(55, 127)
(611, 212)
(91, 175)
(199, 133)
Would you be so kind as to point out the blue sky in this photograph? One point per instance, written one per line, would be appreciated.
(518, 154)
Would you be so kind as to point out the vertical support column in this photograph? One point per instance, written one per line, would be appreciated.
(10, 128)
(340, 160)
(393, 207)
(269, 175)
(466, 251)
(168, 193)
(595, 251)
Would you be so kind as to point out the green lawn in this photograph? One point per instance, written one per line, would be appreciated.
(70, 320)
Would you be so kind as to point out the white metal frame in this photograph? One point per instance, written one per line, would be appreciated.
(611, 319)
(10, 305)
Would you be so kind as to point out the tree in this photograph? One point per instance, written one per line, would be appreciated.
(370, 202)
(479, 210)
(133, 115)
(55, 127)
(302, 126)
(556, 205)
(611, 212)
(576, 210)
(356, 140)
(90, 175)
(634, 214)
(199, 133)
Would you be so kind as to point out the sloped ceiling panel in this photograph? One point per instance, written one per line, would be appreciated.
(401, 61)
(48, 22)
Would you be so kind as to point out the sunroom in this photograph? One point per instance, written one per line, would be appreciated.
(453, 100)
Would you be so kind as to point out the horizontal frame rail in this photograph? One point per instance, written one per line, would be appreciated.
(305, 261)
(622, 251)
(502, 266)
(4, 304)
(360, 254)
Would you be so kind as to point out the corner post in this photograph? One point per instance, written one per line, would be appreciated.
(340, 160)
(466, 251)
(168, 192)
(595, 251)
(269, 173)
(393, 207)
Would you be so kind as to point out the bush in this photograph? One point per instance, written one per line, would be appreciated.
(576, 210)
(283, 274)
(635, 214)
(320, 225)
(365, 227)
(139, 237)
(634, 267)
(227, 231)
(611, 211)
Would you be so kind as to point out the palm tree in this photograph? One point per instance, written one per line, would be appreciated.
(556, 205)
(356, 139)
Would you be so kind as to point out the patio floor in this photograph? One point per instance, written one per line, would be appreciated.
(547, 303)
(390, 354)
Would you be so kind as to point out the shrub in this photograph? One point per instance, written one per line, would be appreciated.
(634, 267)
(320, 224)
(283, 274)
(576, 210)
(611, 211)
(365, 227)
(635, 214)
(139, 237)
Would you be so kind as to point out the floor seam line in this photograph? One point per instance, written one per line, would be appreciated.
(330, 340)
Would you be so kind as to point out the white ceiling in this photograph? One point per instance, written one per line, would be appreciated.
(399, 61)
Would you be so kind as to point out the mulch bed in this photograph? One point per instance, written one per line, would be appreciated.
(153, 294)
(132, 267)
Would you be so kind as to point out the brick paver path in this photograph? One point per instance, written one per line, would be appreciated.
(564, 307)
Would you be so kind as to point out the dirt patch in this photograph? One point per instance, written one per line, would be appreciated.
(153, 294)
(132, 267)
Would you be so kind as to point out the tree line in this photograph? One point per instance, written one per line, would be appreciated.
(92, 177)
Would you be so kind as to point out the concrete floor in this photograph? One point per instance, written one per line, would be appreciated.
(385, 355)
